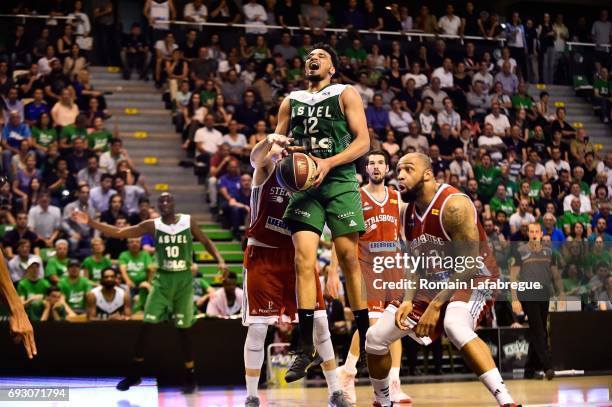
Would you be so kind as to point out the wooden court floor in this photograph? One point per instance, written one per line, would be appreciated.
(574, 392)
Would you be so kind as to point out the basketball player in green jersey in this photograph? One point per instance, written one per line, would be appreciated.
(326, 121)
(172, 287)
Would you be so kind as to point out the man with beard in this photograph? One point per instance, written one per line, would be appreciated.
(436, 215)
(269, 276)
(172, 287)
(328, 122)
(382, 207)
(107, 301)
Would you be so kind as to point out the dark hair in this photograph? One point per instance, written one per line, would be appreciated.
(231, 276)
(327, 48)
(105, 176)
(52, 289)
(106, 269)
(378, 152)
(143, 199)
(114, 140)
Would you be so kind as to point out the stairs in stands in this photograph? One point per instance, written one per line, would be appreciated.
(580, 112)
(155, 148)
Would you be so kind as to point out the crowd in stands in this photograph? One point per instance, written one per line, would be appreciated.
(472, 108)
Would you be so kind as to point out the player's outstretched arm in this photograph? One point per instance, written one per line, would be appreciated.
(209, 245)
(146, 227)
(19, 324)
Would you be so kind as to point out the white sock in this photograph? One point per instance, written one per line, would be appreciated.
(333, 382)
(394, 374)
(251, 383)
(494, 382)
(350, 365)
(381, 391)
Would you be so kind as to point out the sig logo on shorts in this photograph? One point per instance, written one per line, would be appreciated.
(345, 215)
(301, 212)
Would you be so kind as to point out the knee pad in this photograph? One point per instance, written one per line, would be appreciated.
(376, 342)
(254, 346)
(322, 339)
(459, 325)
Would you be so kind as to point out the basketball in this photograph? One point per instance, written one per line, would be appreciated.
(296, 172)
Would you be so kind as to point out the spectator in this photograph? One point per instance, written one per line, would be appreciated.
(13, 133)
(487, 176)
(426, 119)
(498, 121)
(576, 193)
(226, 301)
(18, 264)
(97, 261)
(461, 167)
(23, 180)
(521, 216)
(420, 79)
(450, 24)
(425, 21)
(377, 117)
(57, 264)
(163, 53)
(483, 75)
(12, 104)
(517, 44)
(99, 196)
(234, 90)
(478, 100)
(32, 289)
(436, 94)
(135, 53)
(599, 231)
(255, 14)
(195, 11)
(74, 287)
(573, 216)
(202, 68)
(115, 246)
(90, 175)
(131, 194)
(399, 120)
(135, 265)
(115, 210)
(248, 113)
(602, 92)
(109, 159)
(449, 116)
(74, 61)
(107, 301)
(492, 143)
(601, 33)
(390, 145)
(315, 17)
(508, 79)
(556, 164)
(79, 235)
(191, 46)
(45, 220)
(35, 108)
(285, 48)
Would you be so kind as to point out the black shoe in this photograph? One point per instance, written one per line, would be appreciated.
(550, 373)
(128, 382)
(362, 364)
(304, 360)
(190, 384)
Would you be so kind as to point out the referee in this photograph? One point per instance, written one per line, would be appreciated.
(533, 263)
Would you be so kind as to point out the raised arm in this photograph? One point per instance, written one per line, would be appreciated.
(146, 227)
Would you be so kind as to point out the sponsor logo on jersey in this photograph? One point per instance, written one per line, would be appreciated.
(435, 211)
(423, 239)
(393, 201)
(383, 246)
(368, 208)
(277, 225)
(174, 265)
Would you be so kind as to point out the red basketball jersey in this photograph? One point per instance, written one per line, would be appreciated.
(268, 203)
(425, 235)
(382, 225)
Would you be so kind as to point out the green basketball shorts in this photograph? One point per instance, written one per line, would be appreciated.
(337, 203)
(171, 296)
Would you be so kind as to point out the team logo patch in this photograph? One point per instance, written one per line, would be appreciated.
(435, 211)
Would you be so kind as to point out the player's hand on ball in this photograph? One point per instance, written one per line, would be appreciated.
(429, 320)
(22, 331)
(80, 217)
(401, 316)
(279, 139)
(323, 168)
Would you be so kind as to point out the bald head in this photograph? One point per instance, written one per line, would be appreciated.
(418, 160)
(414, 173)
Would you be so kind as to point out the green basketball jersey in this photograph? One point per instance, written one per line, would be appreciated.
(174, 244)
(318, 124)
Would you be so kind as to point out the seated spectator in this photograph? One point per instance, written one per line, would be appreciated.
(492, 143)
(75, 287)
(226, 301)
(555, 164)
(487, 177)
(376, 116)
(135, 266)
(498, 121)
(131, 194)
(109, 159)
(97, 261)
(115, 210)
(195, 11)
(77, 158)
(18, 264)
(436, 94)
(99, 196)
(107, 301)
(114, 246)
(65, 111)
(427, 119)
(163, 53)
(573, 216)
(599, 231)
(55, 307)
(461, 167)
(58, 263)
(549, 228)
(135, 53)
(390, 145)
(45, 219)
(74, 62)
(248, 114)
(61, 183)
(79, 235)
(236, 141)
(364, 90)
(410, 97)
(11, 103)
(483, 75)
(478, 100)
(43, 134)
(560, 124)
(13, 133)
(22, 181)
(505, 57)
(72, 131)
(521, 216)
(99, 138)
(176, 70)
(445, 74)
(32, 289)
(234, 90)
(449, 116)
(19, 232)
(576, 193)
(415, 140)
(399, 120)
(34, 109)
(498, 95)
(132, 177)
(602, 92)
(579, 146)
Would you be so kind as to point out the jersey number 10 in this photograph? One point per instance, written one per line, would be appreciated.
(172, 251)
